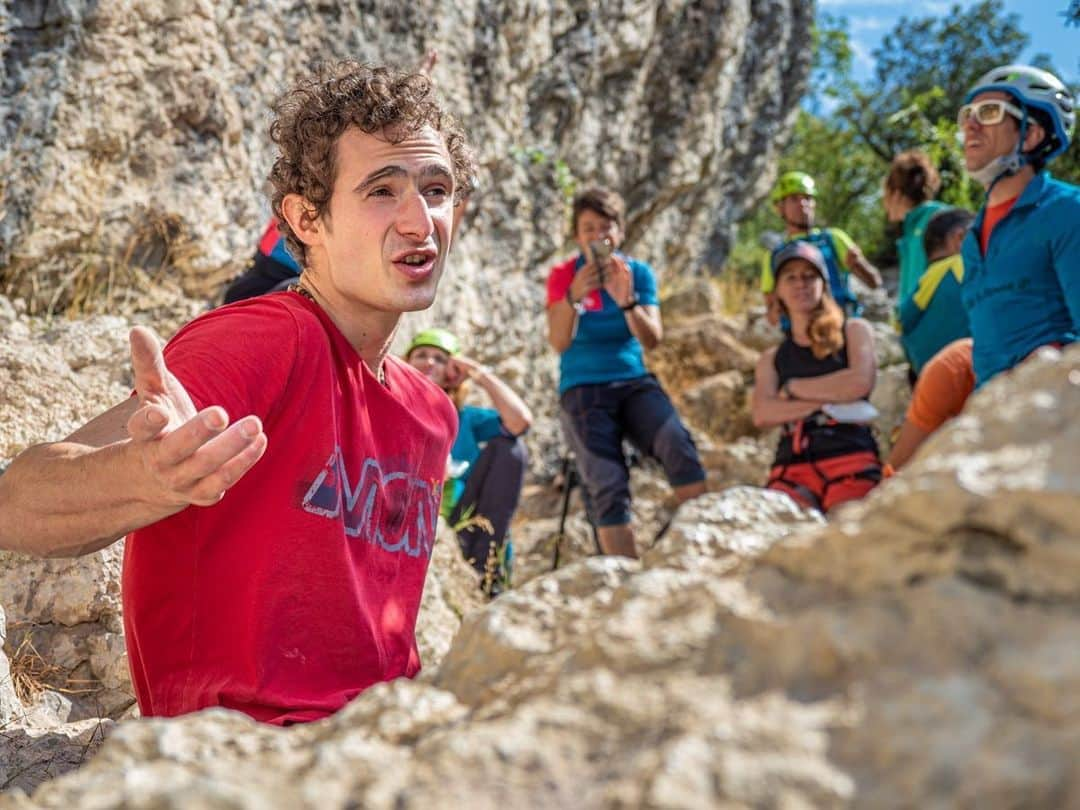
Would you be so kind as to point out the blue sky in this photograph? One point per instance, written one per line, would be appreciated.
(870, 20)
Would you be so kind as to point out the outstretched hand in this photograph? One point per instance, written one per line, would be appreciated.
(189, 456)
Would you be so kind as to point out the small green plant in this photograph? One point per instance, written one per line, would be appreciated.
(496, 569)
(562, 176)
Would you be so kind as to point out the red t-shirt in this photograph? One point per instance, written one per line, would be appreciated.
(994, 214)
(301, 587)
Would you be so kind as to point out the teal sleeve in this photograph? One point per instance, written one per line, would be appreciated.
(485, 424)
(909, 314)
(644, 283)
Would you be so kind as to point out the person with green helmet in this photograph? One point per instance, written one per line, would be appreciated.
(795, 198)
(486, 468)
(1021, 283)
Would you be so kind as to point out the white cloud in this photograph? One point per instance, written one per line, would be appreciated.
(912, 8)
(864, 3)
(860, 57)
(869, 25)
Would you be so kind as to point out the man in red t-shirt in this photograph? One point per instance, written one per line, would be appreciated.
(285, 587)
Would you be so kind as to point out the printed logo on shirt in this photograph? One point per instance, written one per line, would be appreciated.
(593, 302)
(393, 510)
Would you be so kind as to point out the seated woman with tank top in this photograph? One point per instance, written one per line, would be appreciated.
(815, 384)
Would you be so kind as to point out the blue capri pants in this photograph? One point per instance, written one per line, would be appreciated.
(597, 417)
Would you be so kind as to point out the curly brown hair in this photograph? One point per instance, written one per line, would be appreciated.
(311, 116)
(914, 175)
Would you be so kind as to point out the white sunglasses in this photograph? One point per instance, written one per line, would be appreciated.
(988, 113)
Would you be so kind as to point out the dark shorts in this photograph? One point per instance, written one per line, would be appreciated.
(596, 419)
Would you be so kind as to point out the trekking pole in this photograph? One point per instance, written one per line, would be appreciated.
(568, 487)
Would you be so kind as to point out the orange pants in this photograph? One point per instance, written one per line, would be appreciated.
(826, 483)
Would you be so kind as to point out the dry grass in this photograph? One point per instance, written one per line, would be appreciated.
(158, 251)
(491, 569)
(737, 292)
(31, 674)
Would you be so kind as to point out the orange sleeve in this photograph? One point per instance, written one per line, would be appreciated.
(943, 387)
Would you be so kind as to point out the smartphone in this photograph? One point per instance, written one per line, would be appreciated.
(601, 251)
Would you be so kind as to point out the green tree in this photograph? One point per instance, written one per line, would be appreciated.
(929, 64)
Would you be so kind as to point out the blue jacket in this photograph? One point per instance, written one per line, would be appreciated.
(1025, 292)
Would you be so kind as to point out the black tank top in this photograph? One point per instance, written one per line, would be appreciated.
(825, 440)
(793, 361)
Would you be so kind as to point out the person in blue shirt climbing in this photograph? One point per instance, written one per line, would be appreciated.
(487, 462)
(795, 198)
(603, 314)
(1022, 256)
(932, 316)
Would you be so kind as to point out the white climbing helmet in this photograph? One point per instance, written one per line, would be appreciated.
(1038, 90)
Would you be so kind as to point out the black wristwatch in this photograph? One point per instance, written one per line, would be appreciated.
(633, 303)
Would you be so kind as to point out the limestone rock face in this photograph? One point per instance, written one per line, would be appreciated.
(54, 377)
(10, 706)
(891, 396)
(719, 405)
(920, 645)
(53, 381)
(36, 744)
(451, 590)
(66, 614)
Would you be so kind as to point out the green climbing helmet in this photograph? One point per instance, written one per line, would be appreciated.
(793, 183)
(439, 338)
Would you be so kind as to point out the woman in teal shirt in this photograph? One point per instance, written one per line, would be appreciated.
(910, 188)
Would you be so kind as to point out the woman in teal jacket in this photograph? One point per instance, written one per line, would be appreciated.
(910, 188)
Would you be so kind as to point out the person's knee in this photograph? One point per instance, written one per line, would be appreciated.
(612, 508)
(510, 450)
(675, 449)
(608, 489)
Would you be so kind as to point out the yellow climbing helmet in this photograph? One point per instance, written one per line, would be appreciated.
(793, 183)
(439, 338)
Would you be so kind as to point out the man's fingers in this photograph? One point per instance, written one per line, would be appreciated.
(147, 362)
(147, 423)
(185, 440)
(186, 473)
(209, 489)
